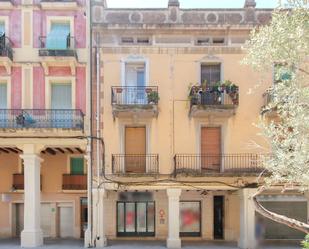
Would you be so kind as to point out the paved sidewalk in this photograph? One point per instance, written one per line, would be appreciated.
(74, 244)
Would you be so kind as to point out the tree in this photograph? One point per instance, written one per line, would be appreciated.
(284, 43)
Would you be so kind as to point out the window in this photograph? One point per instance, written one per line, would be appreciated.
(3, 96)
(127, 40)
(210, 73)
(218, 40)
(143, 40)
(190, 218)
(59, 36)
(2, 28)
(77, 166)
(136, 218)
(202, 41)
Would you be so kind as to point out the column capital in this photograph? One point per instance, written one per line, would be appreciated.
(31, 157)
(173, 192)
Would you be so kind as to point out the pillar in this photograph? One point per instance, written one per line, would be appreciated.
(247, 238)
(32, 235)
(173, 240)
(98, 217)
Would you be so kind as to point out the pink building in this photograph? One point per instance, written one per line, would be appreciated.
(43, 102)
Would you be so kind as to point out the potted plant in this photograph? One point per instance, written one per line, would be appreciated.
(153, 97)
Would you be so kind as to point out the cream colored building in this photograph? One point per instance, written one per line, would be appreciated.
(178, 160)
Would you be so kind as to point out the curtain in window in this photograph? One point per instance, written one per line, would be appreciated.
(61, 98)
(3, 96)
(210, 74)
(57, 37)
(2, 28)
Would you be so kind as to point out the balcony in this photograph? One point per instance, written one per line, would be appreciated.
(58, 57)
(6, 53)
(18, 182)
(41, 119)
(135, 101)
(59, 4)
(144, 165)
(219, 101)
(223, 164)
(74, 182)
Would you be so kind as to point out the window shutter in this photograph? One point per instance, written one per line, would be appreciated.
(77, 166)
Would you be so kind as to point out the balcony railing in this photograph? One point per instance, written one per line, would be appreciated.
(19, 182)
(6, 47)
(74, 182)
(221, 163)
(69, 51)
(135, 95)
(214, 98)
(41, 118)
(135, 164)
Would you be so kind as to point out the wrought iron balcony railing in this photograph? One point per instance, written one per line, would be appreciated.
(219, 163)
(69, 50)
(135, 164)
(135, 95)
(74, 182)
(214, 98)
(6, 47)
(41, 118)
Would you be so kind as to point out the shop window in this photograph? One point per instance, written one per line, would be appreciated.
(190, 218)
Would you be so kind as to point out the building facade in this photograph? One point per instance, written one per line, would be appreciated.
(44, 119)
(178, 121)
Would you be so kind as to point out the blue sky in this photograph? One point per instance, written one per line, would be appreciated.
(188, 3)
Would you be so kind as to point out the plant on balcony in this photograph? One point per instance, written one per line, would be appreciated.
(153, 97)
(196, 91)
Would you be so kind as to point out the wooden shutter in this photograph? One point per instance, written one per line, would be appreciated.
(77, 166)
(211, 148)
(135, 149)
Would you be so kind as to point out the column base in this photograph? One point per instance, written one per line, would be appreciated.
(173, 243)
(87, 239)
(101, 242)
(31, 238)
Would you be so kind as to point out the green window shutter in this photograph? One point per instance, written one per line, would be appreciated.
(77, 166)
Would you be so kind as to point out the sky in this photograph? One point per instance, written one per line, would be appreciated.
(189, 3)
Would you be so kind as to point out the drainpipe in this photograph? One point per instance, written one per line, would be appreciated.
(89, 232)
(98, 110)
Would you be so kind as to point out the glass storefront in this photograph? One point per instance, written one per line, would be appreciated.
(190, 218)
(136, 218)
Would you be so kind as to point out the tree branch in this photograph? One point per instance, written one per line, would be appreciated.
(295, 224)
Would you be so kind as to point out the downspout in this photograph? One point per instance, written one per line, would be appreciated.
(89, 243)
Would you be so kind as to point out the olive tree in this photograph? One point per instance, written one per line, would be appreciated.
(283, 44)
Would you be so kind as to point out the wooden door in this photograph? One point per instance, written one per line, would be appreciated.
(135, 150)
(211, 148)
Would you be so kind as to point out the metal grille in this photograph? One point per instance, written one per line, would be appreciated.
(145, 164)
(41, 118)
(219, 163)
(135, 95)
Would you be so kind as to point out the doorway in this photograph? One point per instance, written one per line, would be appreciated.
(211, 148)
(135, 149)
(218, 217)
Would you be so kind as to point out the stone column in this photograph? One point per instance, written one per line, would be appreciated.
(32, 235)
(173, 240)
(247, 238)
